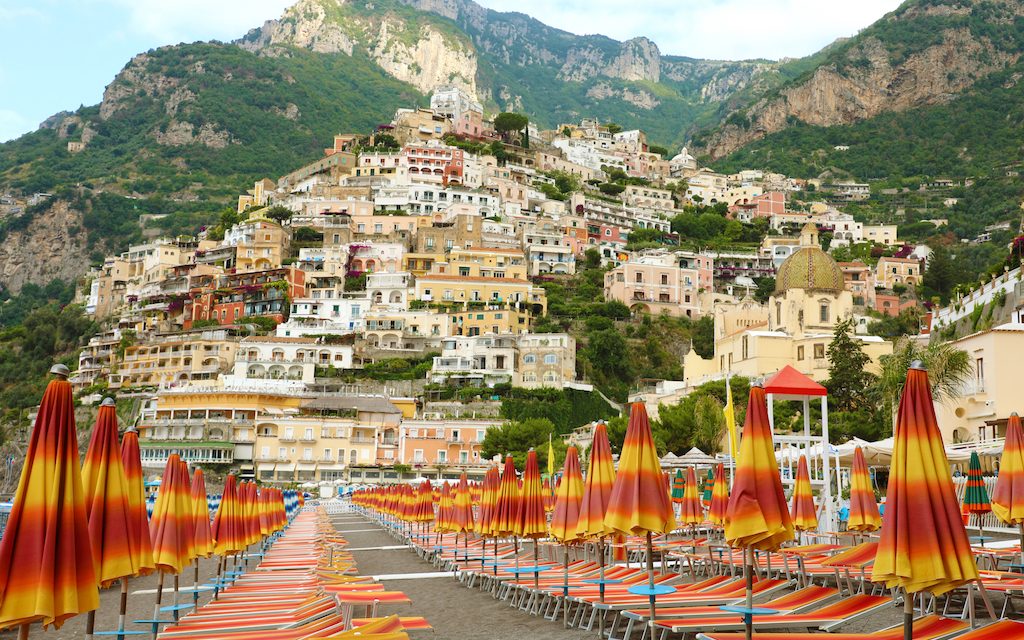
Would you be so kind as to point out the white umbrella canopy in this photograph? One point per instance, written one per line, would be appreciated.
(696, 458)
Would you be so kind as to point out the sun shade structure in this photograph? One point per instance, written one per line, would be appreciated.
(507, 506)
(462, 516)
(47, 573)
(804, 515)
(923, 544)
(864, 515)
(757, 516)
(639, 504)
(1008, 494)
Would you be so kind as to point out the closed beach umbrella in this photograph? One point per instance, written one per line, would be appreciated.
(864, 514)
(709, 484)
(462, 515)
(106, 501)
(568, 499)
(976, 495)
(691, 512)
(442, 523)
(507, 505)
(923, 545)
(488, 496)
(173, 525)
(1008, 494)
(678, 487)
(639, 504)
(141, 543)
(531, 520)
(47, 573)
(757, 516)
(597, 490)
(804, 515)
(203, 535)
(228, 535)
(719, 496)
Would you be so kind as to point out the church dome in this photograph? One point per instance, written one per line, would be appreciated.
(809, 268)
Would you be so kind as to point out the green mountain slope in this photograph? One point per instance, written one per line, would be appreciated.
(200, 121)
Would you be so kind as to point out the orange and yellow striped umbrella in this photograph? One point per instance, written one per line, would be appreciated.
(757, 515)
(488, 496)
(805, 516)
(46, 570)
(462, 513)
(227, 528)
(201, 513)
(719, 496)
(445, 504)
(639, 502)
(597, 490)
(1008, 494)
(506, 507)
(923, 544)
(548, 493)
(173, 523)
(568, 500)
(141, 543)
(864, 514)
(690, 510)
(531, 521)
(106, 501)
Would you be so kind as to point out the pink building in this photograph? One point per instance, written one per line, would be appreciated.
(765, 205)
(655, 284)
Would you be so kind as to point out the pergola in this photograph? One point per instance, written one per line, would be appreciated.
(789, 384)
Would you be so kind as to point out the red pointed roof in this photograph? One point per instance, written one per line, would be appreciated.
(790, 382)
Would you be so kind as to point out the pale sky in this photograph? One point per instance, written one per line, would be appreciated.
(59, 54)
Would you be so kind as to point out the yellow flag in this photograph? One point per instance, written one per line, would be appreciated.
(551, 458)
(730, 422)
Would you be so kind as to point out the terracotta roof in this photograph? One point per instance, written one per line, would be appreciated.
(891, 259)
(852, 265)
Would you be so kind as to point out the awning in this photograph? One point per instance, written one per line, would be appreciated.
(790, 382)
(282, 466)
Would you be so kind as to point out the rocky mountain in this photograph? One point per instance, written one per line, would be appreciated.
(925, 53)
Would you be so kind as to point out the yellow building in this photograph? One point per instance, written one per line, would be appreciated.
(260, 244)
(479, 291)
(979, 410)
(493, 320)
(794, 328)
(176, 358)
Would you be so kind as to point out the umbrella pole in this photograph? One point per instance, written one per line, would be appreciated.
(536, 565)
(121, 613)
(90, 624)
(515, 550)
(908, 616)
(496, 552)
(220, 575)
(156, 607)
(195, 584)
(174, 598)
(748, 574)
(23, 632)
(565, 586)
(600, 560)
(1021, 526)
(650, 574)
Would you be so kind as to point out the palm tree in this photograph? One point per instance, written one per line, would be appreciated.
(948, 369)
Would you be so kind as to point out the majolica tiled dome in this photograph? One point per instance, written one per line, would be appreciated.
(809, 268)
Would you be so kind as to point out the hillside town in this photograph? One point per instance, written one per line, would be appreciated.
(429, 243)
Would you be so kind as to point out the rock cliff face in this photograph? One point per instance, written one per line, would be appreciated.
(52, 246)
(878, 73)
(411, 51)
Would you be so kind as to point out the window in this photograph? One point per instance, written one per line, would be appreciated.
(417, 455)
(979, 372)
(479, 435)
(823, 312)
(307, 453)
(463, 457)
(746, 347)
(529, 359)
(664, 279)
(550, 359)
(819, 351)
(265, 452)
(442, 456)
(282, 453)
(800, 353)
(639, 277)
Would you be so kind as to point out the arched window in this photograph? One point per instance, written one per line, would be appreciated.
(823, 311)
(550, 359)
(529, 359)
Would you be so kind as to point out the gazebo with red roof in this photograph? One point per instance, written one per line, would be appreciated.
(790, 384)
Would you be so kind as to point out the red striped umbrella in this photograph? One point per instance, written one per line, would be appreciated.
(488, 496)
(639, 503)
(106, 501)
(507, 506)
(719, 496)
(530, 519)
(568, 500)
(173, 525)
(757, 516)
(46, 570)
(462, 514)
(228, 529)
(1008, 494)
(201, 509)
(597, 489)
(141, 543)
(923, 544)
(443, 521)
(691, 512)
(864, 515)
(805, 516)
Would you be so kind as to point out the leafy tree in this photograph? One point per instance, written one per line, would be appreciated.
(610, 188)
(765, 288)
(279, 214)
(847, 377)
(710, 424)
(704, 337)
(906, 323)
(591, 258)
(517, 438)
(385, 141)
(613, 128)
(940, 277)
(507, 122)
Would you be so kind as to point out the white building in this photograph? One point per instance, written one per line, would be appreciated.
(269, 358)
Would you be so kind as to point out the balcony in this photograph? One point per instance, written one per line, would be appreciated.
(287, 438)
(307, 440)
(361, 440)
